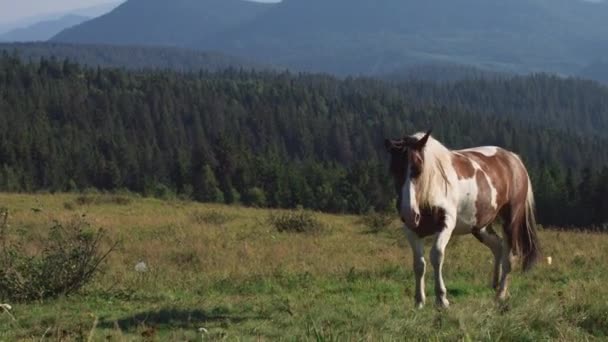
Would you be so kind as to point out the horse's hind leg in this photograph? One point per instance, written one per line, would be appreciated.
(507, 257)
(507, 261)
(488, 237)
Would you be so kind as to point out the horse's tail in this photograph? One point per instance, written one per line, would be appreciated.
(525, 239)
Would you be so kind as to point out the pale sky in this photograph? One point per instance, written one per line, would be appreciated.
(14, 10)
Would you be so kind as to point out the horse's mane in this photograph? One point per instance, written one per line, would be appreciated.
(433, 184)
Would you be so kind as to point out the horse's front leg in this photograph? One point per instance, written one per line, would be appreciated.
(417, 245)
(437, 255)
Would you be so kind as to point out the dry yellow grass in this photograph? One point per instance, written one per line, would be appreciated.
(238, 277)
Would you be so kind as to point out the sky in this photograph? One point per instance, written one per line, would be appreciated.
(15, 10)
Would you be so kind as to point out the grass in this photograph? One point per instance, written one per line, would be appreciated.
(225, 269)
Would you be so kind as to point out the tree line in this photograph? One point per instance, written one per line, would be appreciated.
(269, 139)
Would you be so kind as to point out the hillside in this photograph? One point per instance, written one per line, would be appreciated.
(598, 70)
(88, 12)
(377, 37)
(282, 140)
(43, 30)
(163, 22)
(129, 57)
(364, 37)
(225, 269)
(442, 72)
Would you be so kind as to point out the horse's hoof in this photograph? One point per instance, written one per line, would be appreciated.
(419, 305)
(443, 303)
(502, 296)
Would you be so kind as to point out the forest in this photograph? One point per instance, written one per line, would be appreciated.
(285, 140)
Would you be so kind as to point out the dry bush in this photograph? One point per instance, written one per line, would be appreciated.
(298, 221)
(213, 217)
(377, 222)
(67, 260)
(102, 199)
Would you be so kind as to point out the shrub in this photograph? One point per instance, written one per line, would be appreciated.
(211, 217)
(102, 199)
(163, 192)
(377, 221)
(69, 206)
(255, 197)
(298, 221)
(68, 259)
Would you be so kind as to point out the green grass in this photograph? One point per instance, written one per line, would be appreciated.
(227, 270)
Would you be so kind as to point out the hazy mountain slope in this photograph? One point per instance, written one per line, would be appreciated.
(368, 37)
(163, 22)
(360, 36)
(129, 57)
(89, 12)
(43, 30)
(597, 70)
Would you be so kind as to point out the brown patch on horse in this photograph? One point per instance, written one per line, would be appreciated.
(498, 168)
(463, 166)
(484, 211)
(432, 221)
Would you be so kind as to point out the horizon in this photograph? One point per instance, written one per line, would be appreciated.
(26, 12)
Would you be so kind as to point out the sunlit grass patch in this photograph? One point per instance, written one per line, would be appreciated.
(232, 273)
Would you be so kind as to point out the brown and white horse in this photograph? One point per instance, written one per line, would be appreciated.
(443, 192)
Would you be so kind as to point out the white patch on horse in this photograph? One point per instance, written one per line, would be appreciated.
(466, 218)
(493, 192)
(438, 176)
(487, 151)
(476, 166)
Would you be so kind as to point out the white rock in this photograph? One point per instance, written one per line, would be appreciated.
(141, 267)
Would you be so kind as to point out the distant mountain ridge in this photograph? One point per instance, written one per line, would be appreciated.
(368, 37)
(89, 12)
(163, 22)
(129, 57)
(43, 30)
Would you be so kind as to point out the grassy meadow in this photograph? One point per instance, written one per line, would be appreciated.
(224, 273)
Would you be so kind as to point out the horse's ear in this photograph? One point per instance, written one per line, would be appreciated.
(422, 142)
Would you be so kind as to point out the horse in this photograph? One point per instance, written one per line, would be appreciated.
(441, 192)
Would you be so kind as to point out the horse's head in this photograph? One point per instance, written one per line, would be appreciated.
(407, 161)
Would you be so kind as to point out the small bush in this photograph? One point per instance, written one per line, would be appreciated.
(211, 217)
(163, 192)
(255, 197)
(299, 221)
(102, 199)
(69, 206)
(377, 221)
(68, 259)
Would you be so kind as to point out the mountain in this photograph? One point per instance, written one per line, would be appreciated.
(442, 72)
(128, 57)
(43, 30)
(97, 10)
(89, 12)
(368, 37)
(163, 22)
(597, 70)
